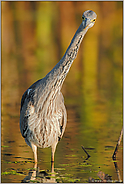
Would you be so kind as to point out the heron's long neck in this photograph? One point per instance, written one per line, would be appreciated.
(59, 72)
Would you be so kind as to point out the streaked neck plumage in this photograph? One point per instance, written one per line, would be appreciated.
(59, 72)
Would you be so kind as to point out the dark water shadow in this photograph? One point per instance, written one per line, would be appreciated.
(39, 177)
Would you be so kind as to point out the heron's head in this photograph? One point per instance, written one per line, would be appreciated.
(89, 18)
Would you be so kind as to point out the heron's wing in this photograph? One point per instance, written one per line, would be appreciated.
(26, 112)
(29, 93)
(62, 115)
(27, 108)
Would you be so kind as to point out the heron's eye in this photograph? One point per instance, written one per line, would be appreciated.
(94, 20)
(83, 18)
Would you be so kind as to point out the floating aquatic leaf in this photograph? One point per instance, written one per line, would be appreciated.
(60, 168)
(64, 164)
(70, 180)
(5, 146)
(71, 149)
(71, 155)
(34, 181)
(85, 164)
(109, 148)
(67, 174)
(114, 161)
(13, 172)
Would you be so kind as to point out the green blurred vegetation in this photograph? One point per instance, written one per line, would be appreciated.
(35, 36)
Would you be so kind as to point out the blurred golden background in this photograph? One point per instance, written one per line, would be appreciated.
(35, 36)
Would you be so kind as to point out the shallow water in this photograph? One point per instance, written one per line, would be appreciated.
(92, 89)
(70, 163)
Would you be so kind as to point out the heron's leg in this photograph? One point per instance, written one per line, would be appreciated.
(34, 148)
(53, 148)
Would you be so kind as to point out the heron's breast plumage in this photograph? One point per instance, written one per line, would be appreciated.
(41, 123)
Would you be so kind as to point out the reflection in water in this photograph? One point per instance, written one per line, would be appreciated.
(114, 156)
(39, 177)
(117, 171)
